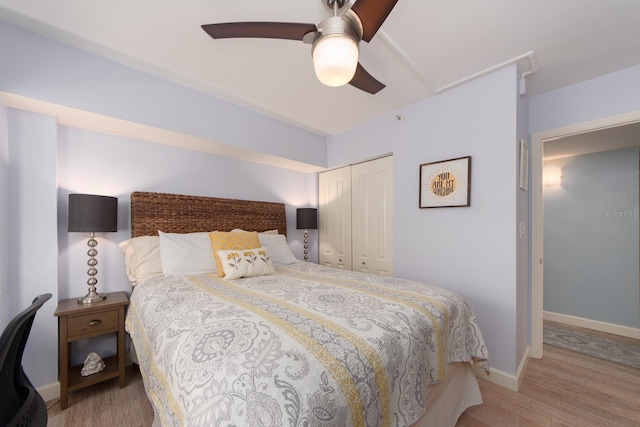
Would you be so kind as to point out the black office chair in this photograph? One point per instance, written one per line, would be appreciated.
(20, 403)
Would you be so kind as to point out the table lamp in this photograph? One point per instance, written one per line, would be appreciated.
(306, 219)
(93, 214)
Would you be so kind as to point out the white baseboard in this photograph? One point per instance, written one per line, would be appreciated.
(50, 391)
(596, 325)
(503, 379)
(498, 377)
(522, 366)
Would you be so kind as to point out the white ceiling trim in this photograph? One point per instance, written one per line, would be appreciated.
(100, 123)
(402, 55)
(528, 56)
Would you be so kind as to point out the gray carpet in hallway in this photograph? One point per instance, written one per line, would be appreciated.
(603, 348)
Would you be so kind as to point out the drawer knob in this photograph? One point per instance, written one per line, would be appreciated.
(94, 322)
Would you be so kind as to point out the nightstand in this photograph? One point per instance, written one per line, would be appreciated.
(79, 321)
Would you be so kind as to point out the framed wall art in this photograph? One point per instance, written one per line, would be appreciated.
(446, 184)
(524, 165)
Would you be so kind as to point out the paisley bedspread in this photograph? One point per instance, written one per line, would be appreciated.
(307, 346)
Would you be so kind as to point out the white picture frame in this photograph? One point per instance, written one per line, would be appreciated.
(524, 165)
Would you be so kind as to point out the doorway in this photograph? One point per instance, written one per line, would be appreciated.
(537, 218)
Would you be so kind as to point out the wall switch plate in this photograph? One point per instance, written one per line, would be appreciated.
(522, 229)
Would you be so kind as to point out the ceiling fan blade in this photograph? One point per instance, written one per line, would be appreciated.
(268, 30)
(372, 14)
(365, 81)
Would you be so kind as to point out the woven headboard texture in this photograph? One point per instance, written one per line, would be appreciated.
(175, 213)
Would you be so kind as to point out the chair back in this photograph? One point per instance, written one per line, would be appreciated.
(20, 402)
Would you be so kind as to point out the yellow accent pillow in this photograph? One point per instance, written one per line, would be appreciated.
(222, 240)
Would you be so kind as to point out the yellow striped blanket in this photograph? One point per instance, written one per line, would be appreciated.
(307, 346)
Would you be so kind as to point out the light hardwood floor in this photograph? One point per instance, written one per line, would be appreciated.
(105, 405)
(562, 389)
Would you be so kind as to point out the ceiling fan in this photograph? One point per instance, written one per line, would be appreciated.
(334, 41)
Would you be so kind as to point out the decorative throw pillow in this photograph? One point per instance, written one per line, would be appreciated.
(237, 263)
(222, 240)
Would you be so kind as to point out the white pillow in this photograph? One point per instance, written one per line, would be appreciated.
(279, 251)
(189, 253)
(238, 263)
(142, 258)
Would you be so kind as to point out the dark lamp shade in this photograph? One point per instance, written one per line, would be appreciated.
(88, 212)
(307, 219)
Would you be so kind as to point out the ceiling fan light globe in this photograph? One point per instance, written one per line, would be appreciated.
(335, 59)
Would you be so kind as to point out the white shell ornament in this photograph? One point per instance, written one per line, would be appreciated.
(92, 365)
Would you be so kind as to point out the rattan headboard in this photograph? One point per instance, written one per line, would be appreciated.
(175, 213)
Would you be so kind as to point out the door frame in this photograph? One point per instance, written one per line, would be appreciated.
(537, 214)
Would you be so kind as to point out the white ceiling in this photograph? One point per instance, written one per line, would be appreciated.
(423, 48)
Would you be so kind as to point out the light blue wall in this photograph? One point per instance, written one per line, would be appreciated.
(607, 96)
(32, 235)
(523, 201)
(5, 304)
(471, 250)
(591, 238)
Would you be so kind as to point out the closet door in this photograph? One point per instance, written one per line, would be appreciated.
(372, 216)
(334, 215)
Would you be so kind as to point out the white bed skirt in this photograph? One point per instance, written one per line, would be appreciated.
(446, 401)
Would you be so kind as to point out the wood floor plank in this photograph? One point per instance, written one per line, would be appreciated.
(470, 421)
(105, 405)
(573, 404)
(566, 389)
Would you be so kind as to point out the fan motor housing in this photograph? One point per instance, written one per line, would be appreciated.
(349, 24)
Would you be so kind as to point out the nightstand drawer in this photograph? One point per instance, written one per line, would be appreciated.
(90, 324)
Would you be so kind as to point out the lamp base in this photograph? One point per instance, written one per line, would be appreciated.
(91, 297)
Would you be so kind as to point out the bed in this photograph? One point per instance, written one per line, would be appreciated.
(290, 343)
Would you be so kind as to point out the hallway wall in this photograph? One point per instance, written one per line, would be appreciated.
(591, 229)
